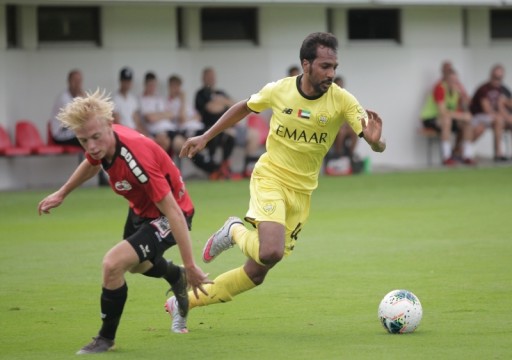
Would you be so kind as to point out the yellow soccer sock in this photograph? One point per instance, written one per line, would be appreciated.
(248, 242)
(223, 289)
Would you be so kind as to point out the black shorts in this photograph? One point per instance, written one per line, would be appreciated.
(432, 124)
(150, 238)
(172, 134)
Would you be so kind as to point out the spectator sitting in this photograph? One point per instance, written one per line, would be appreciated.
(155, 115)
(446, 69)
(443, 113)
(211, 103)
(185, 117)
(488, 107)
(60, 134)
(126, 105)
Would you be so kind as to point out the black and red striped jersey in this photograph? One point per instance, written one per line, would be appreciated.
(143, 173)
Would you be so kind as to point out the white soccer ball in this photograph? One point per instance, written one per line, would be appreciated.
(400, 312)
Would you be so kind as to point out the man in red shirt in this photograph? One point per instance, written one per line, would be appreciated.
(159, 217)
(488, 107)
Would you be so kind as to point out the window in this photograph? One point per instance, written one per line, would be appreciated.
(501, 24)
(180, 23)
(375, 24)
(68, 24)
(229, 24)
(12, 26)
(465, 27)
(329, 19)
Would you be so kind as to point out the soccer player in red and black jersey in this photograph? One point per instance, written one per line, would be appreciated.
(160, 209)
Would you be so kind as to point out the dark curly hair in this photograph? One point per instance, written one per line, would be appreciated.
(312, 41)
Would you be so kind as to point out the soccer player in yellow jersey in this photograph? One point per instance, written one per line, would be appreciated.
(307, 115)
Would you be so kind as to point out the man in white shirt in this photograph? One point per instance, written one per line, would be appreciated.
(60, 134)
(126, 105)
(156, 117)
(184, 115)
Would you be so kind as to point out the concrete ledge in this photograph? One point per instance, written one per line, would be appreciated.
(38, 171)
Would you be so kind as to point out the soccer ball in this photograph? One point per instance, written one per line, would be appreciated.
(400, 312)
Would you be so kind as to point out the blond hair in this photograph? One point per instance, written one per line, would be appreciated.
(75, 114)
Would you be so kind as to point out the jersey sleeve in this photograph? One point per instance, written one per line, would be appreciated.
(354, 113)
(261, 100)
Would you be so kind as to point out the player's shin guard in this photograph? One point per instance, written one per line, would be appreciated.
(224, 288)
(112, 305)
(248, 242)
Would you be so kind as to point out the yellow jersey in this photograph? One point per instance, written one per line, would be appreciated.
(302, 130)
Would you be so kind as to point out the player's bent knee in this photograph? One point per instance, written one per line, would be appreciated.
(271, 257)
(258, 279)
(111, 267)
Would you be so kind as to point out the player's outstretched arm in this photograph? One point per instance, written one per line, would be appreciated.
(83, 172)
(372, 131)
(233, 115)
(195, 276)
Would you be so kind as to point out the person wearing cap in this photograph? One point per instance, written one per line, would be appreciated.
(126, 105)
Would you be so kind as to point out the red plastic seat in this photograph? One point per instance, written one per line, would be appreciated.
(68, 149)
(7, 148)
(28, 136)
(258, 123)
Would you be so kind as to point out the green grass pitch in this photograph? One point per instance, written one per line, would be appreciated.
(444, 235)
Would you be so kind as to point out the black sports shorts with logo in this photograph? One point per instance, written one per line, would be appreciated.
(150, 238)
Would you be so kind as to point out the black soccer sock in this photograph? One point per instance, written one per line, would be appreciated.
(166, 270)
(112, 305)
(158, 270)
(173, 273)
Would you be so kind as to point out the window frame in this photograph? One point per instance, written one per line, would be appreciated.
(91, 37)
(371, 15)
(506, 19)
(247, 17)
(12, 27)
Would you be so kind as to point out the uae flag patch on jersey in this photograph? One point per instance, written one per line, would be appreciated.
(304, 114)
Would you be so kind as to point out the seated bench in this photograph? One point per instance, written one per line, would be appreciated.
(432, 138)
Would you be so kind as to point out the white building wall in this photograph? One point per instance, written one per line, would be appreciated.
(392, 79)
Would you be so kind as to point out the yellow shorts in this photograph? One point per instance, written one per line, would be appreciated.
(270, 201)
